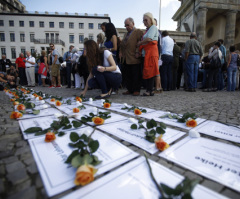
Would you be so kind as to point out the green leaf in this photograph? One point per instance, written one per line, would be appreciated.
(69, 102)
(64, 121)
(144, 110)
(188, 185)
(33, 130)
(163, 125)
(84, 137)
(133, 126)
(36, 112)
(140, 121)
(74, 137)
(160, 130)
(23, 111)
(76, 124)
(87, 159)
(42, 132)
(60, 134)
(93, 145)
(187, 196)
(96, 161)
(67, 126)
(77, 161)
(71, 156)
(170, 116)
(56, 125)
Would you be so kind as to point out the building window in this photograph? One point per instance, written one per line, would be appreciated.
(81, 39)
(31, 23)
(3, 51)
(71, 25)
(23, 50)
(1, 23)
(32, 36)
(71, 38)
(11, 23)
(81, 25)
(21, 23)
(61, 24)
(33, 51)
(41, 24)
(2, 37)
(13, 52)
(90, 26)
(90, 37)
(22, 37)
(51, 24)
(12, 37)
(99, 26)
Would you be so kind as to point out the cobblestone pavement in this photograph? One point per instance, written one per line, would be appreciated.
(19, 176)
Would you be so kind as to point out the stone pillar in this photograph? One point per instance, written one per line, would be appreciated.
(201, 24)
(230, 28)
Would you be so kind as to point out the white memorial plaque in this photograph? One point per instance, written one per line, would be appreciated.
(118, 107)
(58, 176)
(137, 136)
(133, 181)
(43, 122)
(43, 113)
(215, 160)
(68, 109)
(168, 121)
(219, 130)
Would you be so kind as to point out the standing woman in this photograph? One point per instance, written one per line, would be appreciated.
(104, 73)
(232, 69)
(111, 39)
(43, 67)
(149, 48)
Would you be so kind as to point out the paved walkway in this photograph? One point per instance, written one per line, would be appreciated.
(19, 176)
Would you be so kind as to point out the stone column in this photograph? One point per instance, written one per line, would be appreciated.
(201, 24)
(230, 28)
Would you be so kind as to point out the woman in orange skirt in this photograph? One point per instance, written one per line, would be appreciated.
(149, 50)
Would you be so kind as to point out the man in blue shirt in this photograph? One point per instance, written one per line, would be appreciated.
(167, 59)
(67, 57)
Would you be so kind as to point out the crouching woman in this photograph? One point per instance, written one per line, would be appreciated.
(103, 71)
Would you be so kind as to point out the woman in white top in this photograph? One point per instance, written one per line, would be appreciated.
(104, 73)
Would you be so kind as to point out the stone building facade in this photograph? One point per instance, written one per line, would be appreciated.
(211, 20)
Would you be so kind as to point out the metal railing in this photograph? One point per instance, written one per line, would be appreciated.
(48, 41)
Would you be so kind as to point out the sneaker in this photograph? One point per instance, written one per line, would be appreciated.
(51, 86)
(60, 86)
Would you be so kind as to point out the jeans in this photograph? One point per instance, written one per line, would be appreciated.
(192, 64)
(220, 80)
(69, 71)
(166, 72)
(105, 80)
(39, 80)
(231, 78)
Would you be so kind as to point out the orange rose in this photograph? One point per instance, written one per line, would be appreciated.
(97, 120)
(35, 95)
(12, 100)
(50, 136)
(28, 91)
(85, 175)
(76, 110)
(15, 115)
(79, 99)
(160, 144)
(40, 98)
(137, 111)
(191, 123)
(21, 107)
(106, 105)
(15, 103)
(58, 103)
(52, 100)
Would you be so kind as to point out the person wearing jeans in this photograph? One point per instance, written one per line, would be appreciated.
(193, 53)
(232, 69)
(67, 57)
(103, 71)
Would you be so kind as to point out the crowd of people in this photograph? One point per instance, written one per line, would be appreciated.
(149, 59)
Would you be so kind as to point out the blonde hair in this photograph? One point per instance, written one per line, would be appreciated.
(149, 14)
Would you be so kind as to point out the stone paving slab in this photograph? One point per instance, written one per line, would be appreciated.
(19, 177)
